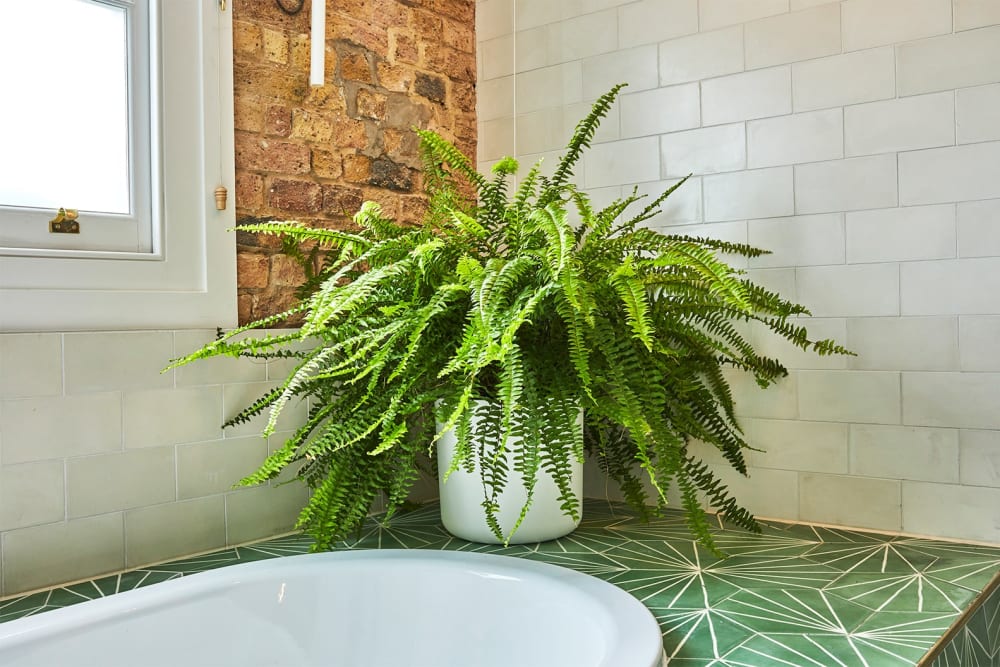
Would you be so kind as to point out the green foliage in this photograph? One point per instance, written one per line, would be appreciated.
(518, 309)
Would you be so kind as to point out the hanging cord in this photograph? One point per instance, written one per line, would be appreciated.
(290, 11)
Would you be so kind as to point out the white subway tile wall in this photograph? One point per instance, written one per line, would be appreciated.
(106, 463)
(859, 141)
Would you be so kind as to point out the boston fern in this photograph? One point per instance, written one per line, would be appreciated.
(518, 308)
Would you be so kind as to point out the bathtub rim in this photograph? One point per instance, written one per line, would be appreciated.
(633, 627)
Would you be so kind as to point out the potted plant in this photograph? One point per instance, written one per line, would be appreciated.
(500, 320)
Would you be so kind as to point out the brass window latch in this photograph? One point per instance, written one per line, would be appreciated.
(221, 195)
(65, 222)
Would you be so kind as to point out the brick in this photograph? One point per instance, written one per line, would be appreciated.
(252, 270)
(459, 36)
(354, 66)
(397, 78)
(286, 272)
(391, 175)
(278, 120)
(412, 209)
(247, 38)
(454, 63)
(371, 104)
(400, 144)
(275, 46)
(327, 164)
(295, 196)
(462, 10)
(271, 156)
(249, 191)
(403, 47)
(350, 133)
(463, 96)
(311, 126)
(244, 308)
(300, 52)
(346, 30)
(389, 13)
(248, 113)
(341, 200)
(427, 26)
(357, 168)
(404, 113)
(431, 87)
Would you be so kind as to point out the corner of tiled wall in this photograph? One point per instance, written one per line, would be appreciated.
(859, 140)
(106, 463)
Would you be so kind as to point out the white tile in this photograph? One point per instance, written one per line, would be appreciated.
(802, 137)
(166, 531)
(979, 228)
(608, 130)
(531, 13)
(765, 492)
(583, 36)
(206, 468)
(978, 338)
(779, 401)
(498, 57)
(860, 502)
(218, 370)
(901, 234)
(951, 400)
(236, 397)
(30, 365)
(798, 445)
(952, 61)
(780, 281)
(31, 494)
(805, 240)
(718, 13)
(758, 94)
(760, 193)
(531, 49)
(950, 287)
(978, 113)
(626, 161)
(904, 452)
(494, 18)
(549, 87)
(950, 510)
(494, 99)
(869, 23)
(661, 110)
(905, 124)
(62, 552)
(171, 416)
(117, 360)
(850, 78)
(496, 139)
(903, 344)
(771, 344)
(701, 56)
(805, 4)
(849, 291)
(539, 131)
(789, 38)
(140, 477)
(683, 207)
(649, 21)
(637, 67)
(976, 13)
(36, 429)
(261, 512)
(846, 185)
(979, 456)
(867, 397)
(705, 151)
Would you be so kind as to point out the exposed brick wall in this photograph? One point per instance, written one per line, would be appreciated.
(315, 154)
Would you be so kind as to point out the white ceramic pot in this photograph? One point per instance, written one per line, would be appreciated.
(462, 511)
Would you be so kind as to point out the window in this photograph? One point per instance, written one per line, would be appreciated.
(123, 111)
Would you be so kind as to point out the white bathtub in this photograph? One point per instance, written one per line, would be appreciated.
(351, 609)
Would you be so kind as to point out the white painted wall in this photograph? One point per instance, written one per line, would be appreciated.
(107, 464)
(860, 141)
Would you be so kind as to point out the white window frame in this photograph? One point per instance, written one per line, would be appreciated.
(189, 280)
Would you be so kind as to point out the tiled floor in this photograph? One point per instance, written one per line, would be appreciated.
(796, 595)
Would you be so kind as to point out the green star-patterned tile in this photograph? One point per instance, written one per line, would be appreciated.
(794, 594)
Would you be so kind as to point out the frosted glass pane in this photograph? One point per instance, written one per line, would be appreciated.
(64, 122)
